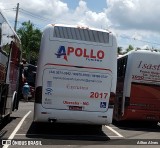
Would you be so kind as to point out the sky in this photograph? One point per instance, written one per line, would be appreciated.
(134, 22)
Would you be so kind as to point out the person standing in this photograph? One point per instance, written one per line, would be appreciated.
(25, 91)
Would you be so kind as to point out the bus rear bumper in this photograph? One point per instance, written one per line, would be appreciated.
(66, 116)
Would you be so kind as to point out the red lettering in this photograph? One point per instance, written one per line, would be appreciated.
(91, 54)
(85, 54)
(70, 49)
(100, 54)
(98, 95)
(85, 103)
(78, 52)
(71, 103)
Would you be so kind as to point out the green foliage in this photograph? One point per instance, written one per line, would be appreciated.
(30, 38)
(130, 47)
(119, 50)
(6, 48)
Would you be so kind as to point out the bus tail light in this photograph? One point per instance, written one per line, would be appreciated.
(112, 98)
(38, 95)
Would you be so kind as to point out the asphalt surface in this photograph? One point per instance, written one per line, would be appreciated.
(23, 131)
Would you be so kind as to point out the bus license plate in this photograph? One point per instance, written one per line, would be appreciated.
(78, 108)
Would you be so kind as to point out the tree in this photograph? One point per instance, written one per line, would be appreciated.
(130, 47)
(30, 38)
(119, 50)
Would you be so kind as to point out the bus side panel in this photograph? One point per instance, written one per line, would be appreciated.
(141, 86)
(144, 102)
(12, 77)
(9, 66)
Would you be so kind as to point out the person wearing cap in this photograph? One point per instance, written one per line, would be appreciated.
(25, 91)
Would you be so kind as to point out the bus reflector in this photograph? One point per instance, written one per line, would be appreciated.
(38, 95)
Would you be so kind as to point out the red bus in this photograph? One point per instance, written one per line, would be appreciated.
(10, 74)
(138, 86)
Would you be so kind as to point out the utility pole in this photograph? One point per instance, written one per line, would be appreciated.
(17, 9)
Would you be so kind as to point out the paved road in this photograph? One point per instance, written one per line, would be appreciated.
(22, 128)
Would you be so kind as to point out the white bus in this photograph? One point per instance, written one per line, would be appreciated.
(76, 74)
(138, 86)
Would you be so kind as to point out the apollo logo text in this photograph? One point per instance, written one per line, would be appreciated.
(79, 52)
